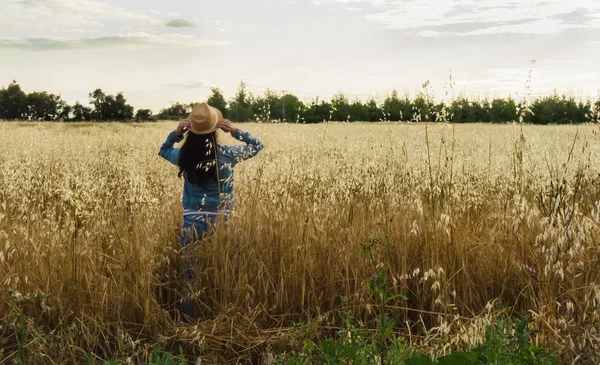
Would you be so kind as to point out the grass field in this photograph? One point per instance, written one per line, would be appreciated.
(472, 222)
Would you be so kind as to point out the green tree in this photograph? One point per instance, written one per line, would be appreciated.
(291, 108)
(341, 107)
(371, 111)
(358, 111)
(98, 101)
(217, 100)
(559, 109)
(464, 110)
(65, 112)
(267, 107)
(144, 115)
(595, 112)
(175, 112)
(81, 113)
(284, 108)
(317, 111)
(121, 110)
(482, 111)
(109, 107)
(13, 102)
(240, 107)
(503, 110)
(422, 109)
(396, 108)
(45, 106)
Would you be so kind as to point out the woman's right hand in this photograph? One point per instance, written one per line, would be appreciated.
(184, 126)
(226, 126)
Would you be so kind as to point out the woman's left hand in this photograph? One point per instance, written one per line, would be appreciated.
(184, 126)
(226, 126)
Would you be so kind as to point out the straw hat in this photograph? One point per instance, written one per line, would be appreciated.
(204, 118)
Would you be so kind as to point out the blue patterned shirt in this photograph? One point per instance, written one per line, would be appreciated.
(213, 197)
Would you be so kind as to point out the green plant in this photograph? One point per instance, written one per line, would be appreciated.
(357, 345)
(379, 287)
(158, 357)
(504, 344)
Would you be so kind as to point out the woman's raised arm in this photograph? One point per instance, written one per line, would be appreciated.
(240, 153)
(166, 150)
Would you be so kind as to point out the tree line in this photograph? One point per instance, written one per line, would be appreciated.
(244, 106)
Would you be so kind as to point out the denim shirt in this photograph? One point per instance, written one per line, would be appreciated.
(199, 199)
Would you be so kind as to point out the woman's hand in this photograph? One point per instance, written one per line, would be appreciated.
(226, 126)
(184, 126)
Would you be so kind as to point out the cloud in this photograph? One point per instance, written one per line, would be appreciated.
(196, 85)
(512, 79)
(536, 27)
(88, 8)
(425, 17)
(120, 40)
(201, 84)
(42, 14)
(220, 25)
(429, 33)
(180, 23)
(331, 2)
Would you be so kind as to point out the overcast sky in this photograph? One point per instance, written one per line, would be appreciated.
(158, 52)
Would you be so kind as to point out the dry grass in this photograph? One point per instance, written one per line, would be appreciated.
(473, 221)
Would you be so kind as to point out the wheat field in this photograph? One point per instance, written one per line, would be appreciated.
(471, 222)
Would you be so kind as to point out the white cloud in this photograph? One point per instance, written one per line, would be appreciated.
(128, 40)
(196, 85)
(69, 13)
(219, 25)
(539, 27)
(536, 27)
(487, 17)
(580, 76)
(512, 81)
(330, 2)
(512, 73)
(429, 33)
(180, 23)
(199, 84)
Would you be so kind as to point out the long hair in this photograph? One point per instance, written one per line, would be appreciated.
(198, 158)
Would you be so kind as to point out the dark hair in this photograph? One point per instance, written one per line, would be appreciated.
(198, 158)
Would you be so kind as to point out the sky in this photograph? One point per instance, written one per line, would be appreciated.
(159, 52)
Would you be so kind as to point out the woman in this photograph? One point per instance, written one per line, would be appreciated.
(207, 171)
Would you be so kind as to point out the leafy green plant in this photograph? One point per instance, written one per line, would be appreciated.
(20, 329)
(503, 345)
(356, 345)
(380, 289)
(159, 357)
(506, 342)
(506, 345)
(352, 345)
